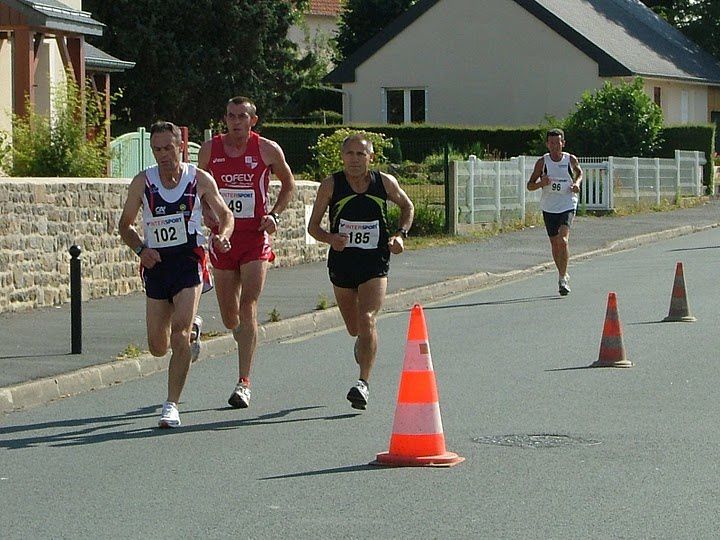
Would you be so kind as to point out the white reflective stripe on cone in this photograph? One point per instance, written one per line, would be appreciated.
(417, 356)
(417, 419)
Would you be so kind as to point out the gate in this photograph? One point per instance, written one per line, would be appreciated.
(131, 153)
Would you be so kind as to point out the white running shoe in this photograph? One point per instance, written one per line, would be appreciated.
(170, 416)
(240, 398)
(195, 343)
(358, 395)
(563, 285)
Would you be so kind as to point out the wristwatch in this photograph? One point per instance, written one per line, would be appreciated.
(275, 216)
(138, 250)
(403, 232)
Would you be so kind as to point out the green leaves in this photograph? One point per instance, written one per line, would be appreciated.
(67, 146)
(617, 120)
(193, 55)
(362, 19)
(327, 151)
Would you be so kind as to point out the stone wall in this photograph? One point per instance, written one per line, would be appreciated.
(40, 218)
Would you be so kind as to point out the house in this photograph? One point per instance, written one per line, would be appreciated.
(39, 41)
(511, 62)
(318, 26)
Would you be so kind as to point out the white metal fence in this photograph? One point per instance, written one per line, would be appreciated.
(494, 191)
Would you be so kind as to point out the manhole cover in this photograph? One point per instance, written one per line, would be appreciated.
(535, 441)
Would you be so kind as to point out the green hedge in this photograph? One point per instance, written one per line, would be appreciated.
(417, 141)
(698, 137)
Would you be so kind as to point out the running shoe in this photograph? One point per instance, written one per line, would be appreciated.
(170, 416)
(563, 285)
(358, 395)
(240, 398)
(195, 343)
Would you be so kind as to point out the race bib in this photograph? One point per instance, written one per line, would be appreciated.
(240, 201)
(559, 186)
(361, 234)
(166, 231)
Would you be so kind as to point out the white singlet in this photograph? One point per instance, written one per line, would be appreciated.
(558, 197)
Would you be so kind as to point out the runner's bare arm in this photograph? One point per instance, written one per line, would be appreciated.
(407, 211)
(211, 199)
(274, 157)
(204, 155)
(126, 224)
(577, 173)
(322, 201)
(209, 217)
(537, 173)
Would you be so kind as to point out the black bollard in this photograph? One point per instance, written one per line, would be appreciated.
(75, 300)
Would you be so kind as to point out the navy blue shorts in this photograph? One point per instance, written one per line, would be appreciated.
(553, 222)
(170, 276)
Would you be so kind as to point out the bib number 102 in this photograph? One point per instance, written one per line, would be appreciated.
(163, 235)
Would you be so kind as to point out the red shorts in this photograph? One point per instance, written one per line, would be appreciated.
(247, 246)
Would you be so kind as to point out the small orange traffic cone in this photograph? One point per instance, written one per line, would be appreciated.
(612, 350)
(417, 438)
(679, 310)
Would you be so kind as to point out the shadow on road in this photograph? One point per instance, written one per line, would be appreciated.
(336, 470)
(569, 368)
(39, 355)
(693, 249)
(496, 302)
(93, 434)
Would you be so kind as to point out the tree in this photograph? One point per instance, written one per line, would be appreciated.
(362, 19)
(70, 144)
(699, 20)
(615, 121)
(192, 55)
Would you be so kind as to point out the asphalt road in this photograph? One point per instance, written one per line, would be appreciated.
(553, 449)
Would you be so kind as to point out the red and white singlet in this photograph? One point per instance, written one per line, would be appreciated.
(243, 181)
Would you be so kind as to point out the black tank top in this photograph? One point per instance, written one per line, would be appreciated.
(363, 217)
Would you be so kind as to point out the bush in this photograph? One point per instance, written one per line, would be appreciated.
(327, 150)
(394, 153)
(417, 141)
(538, 147)
(429, 220)
(617, 120)
(61, 146)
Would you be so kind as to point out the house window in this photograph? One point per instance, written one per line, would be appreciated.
(405, 105)
(657, 96)
(684, 107)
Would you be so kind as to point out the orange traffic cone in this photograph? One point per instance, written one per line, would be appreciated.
(417, 439)
(679, 310)
(612, 350)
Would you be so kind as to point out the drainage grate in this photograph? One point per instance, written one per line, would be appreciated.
(535, 441)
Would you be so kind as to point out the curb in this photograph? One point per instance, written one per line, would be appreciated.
(41, 391)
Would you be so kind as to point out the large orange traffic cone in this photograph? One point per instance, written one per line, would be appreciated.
(612, 350)
(679, 310)
(417, 438)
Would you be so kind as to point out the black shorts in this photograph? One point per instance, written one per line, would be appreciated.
(350, 271)
(553, 222)
(173, 274)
